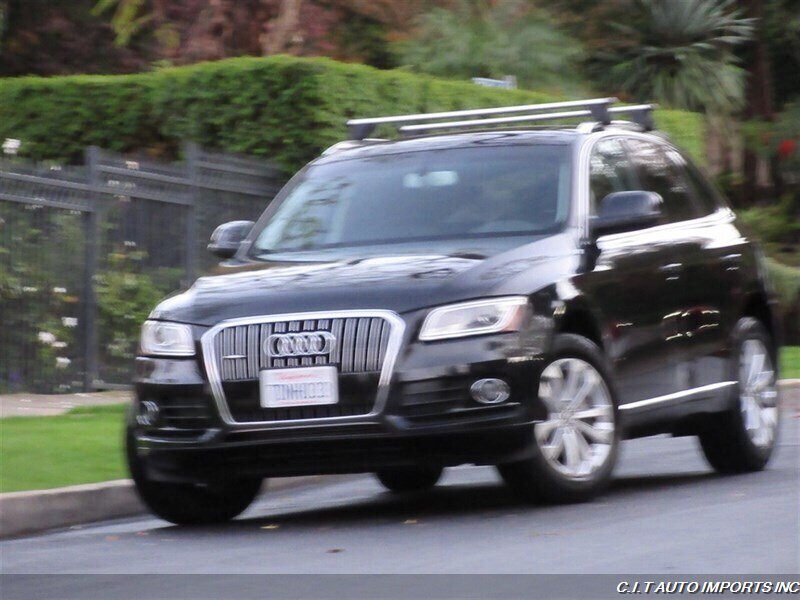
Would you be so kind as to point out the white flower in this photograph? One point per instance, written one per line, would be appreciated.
(59, 290)
(47, 338)
(30, 289)
(69, 321)
(59, 344)
(62, 362)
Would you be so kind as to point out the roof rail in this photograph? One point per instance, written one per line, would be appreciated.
(348, 144)
(598, 109)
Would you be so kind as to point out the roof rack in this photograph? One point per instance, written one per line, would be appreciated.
(598, 109)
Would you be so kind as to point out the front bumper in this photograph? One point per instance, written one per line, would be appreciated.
(351, 451)
(429, 417)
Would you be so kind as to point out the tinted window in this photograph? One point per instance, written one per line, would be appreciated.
(659, 172)
(457, 193)
(706, 196)
(610, 171)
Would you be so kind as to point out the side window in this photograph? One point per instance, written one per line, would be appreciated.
(708, 198)
(659, 172)
(610, 170)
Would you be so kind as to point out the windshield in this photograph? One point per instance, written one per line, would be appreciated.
(457, 193)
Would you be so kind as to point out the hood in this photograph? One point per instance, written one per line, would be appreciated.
(401, 283)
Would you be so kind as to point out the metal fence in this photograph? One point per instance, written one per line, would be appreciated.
(85, 250)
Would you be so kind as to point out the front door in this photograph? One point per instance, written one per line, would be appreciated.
(636, 283)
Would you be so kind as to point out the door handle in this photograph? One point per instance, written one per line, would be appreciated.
(672, 270)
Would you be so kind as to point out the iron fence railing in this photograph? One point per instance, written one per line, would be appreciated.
(85, 250)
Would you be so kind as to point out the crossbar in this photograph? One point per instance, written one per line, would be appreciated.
(597, 107)
(496, 121)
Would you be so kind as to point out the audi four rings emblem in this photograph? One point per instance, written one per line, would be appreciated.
(306, 343)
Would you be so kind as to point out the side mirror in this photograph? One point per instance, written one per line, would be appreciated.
(626, 211)
(227, 238)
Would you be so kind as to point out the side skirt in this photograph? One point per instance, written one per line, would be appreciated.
(666, 414)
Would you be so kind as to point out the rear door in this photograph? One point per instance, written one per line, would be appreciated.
(713, 277)
(700, 287)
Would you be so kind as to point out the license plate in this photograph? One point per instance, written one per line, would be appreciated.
(303, 386)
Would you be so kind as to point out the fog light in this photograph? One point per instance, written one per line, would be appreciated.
(490, 391)
(148, 413)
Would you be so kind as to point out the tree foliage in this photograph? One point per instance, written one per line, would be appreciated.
(48, 38)
(781, 26)
(477, 38)
(681, 54)
(129, 17)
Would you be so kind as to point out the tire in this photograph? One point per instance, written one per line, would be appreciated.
(552, 474)
(190, 504)
(742, 439)
(409, 479)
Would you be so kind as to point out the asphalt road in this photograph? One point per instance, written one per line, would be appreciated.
(666, 512)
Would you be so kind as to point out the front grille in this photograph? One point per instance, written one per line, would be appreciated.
(358, 351)
(360, 347)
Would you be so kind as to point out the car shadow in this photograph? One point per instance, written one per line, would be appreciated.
(485, 500)
(662, 481)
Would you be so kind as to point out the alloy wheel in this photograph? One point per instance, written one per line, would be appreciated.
(757, 393)
(578, 435)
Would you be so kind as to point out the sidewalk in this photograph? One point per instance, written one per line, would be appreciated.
(43, 405)
(790, 393)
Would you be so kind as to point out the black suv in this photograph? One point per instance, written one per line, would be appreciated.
(467, 293)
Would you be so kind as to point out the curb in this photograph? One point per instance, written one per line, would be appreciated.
(25, 513)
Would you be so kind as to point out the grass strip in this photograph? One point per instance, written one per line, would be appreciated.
(81, 446)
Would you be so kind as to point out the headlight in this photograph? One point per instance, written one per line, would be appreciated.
(166, 339)
(474, 318)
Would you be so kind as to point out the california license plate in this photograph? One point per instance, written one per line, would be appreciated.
(301, 386)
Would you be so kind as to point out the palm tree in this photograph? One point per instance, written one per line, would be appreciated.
(681, 53)
(481, 38)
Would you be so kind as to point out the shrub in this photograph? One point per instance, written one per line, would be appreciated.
(56, 118)
(39, 346)
(283, 107)
(41, 270)
(786, 281)
(775, 223)
(125, 296)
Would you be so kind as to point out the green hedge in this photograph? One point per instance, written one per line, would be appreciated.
(283, 107)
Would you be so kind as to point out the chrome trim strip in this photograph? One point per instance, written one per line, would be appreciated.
(396, 326)
(677, 395)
